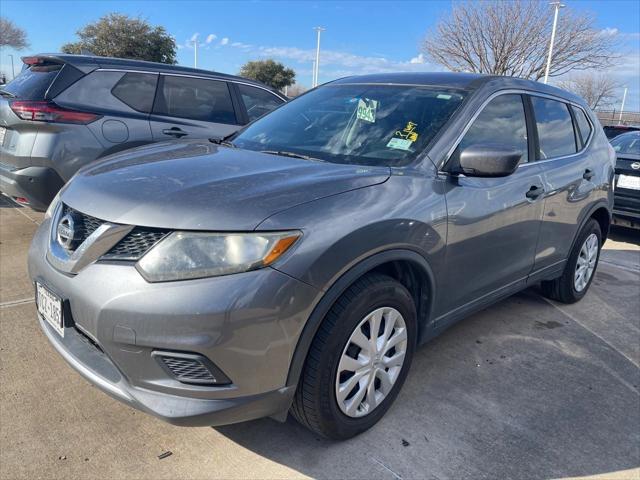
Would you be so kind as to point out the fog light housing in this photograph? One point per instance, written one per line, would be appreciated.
(190, 368)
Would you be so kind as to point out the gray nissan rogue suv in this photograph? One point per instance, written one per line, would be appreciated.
(295, 266)
(65, 111)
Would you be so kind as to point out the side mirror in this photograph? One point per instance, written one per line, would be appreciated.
(489, 160)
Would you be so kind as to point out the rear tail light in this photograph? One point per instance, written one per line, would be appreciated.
(50, 112)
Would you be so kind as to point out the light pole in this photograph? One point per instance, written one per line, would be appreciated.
(195, 52)
(317, 68)
(557, 6)
(13, 70)
(624, 97)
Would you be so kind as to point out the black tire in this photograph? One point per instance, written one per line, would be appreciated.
(315, 405)
(563, 288)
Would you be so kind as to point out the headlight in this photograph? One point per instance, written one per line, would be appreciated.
(185, 255)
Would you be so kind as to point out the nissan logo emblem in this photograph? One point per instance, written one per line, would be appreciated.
(66, 231)
(635, 165)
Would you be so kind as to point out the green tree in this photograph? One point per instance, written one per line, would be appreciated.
(269, 72)
(117, 35)
(11, 35)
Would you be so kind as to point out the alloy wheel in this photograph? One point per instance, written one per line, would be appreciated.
(586, 263)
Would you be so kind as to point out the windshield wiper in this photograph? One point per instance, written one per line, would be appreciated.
(284, 153)
(223, 140)
(7, 94)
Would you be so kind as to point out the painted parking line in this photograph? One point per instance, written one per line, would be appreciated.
(13, 303)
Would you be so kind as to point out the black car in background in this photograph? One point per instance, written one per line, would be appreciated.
(626, 210)
(65, 111)
(612, 131)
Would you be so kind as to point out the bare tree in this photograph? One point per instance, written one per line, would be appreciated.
(512, 38)
(11, 35)
(597, 89)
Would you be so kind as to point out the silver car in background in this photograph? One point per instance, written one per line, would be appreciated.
(64, 111)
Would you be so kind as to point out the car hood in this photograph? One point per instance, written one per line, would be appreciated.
(196, 185)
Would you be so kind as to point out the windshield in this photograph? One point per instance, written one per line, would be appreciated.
(628, 143)
(378, 125)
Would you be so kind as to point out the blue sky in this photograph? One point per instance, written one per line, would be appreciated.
(361, 37)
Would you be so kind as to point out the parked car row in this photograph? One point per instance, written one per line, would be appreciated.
(64, 111)
(294, 266)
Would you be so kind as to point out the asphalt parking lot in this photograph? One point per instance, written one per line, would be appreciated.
(525, 389)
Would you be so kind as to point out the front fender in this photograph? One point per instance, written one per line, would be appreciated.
(347, 235)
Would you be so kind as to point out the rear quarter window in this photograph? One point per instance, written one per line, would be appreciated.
(33, 82)
(583, 125)
(136, 90)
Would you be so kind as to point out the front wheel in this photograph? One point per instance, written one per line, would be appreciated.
(580, 268)
(358, 360)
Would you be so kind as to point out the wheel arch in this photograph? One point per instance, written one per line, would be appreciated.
(407, 266)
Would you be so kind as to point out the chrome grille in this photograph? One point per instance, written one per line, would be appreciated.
(86, 224)
(131, 248)
(135, 244)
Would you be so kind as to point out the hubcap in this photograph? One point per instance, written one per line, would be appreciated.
(371, 362)
(586, 263)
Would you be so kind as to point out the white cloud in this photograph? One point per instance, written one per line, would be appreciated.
(337, 63)
(609, 32)
(211, 37)
(224, 41)
(194, 37)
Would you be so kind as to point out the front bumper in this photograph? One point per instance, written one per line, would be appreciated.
(37, 184)
(246, 324)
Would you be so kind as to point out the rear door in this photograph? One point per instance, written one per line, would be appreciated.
(493, 223)
(569, 174)
(192, 107)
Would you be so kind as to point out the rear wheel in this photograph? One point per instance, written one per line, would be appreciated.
(580, 268)
(358, 360)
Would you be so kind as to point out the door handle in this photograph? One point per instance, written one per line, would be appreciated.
(174, 132)
(534, 192)
(588, 174)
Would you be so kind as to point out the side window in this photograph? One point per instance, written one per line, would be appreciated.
(195, 98)
(502, 121)
(136, 90)
(258, 101)
(555, 129)
(584, 127)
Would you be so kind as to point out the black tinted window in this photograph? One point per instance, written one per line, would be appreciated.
(33, 82)
(584, 127)
(257, 101)
(555, 129)
(136, 90)
(196, 98)
(501, 122)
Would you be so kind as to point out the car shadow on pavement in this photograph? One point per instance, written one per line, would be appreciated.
(520, 390)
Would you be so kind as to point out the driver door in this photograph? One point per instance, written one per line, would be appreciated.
(493, 223)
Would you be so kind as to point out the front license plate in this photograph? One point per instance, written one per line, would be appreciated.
(3, 132)
(627, 181)
(50, 308)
